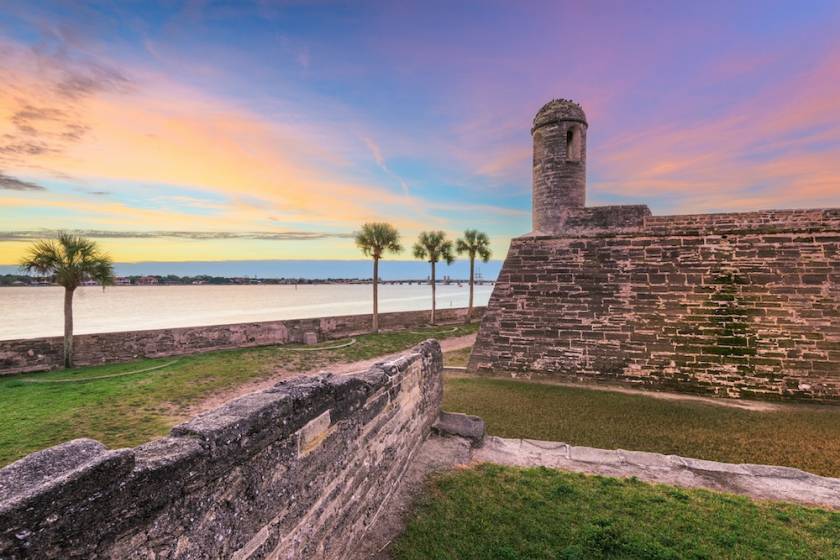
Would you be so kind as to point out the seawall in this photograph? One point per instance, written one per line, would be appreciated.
(39, 354)
(300, 470)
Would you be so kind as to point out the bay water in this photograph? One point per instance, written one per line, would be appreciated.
(31, 312)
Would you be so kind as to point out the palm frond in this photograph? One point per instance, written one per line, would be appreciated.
(474, 243)
(377, 238)
(43, 257)
(70, 259)
(434, 246)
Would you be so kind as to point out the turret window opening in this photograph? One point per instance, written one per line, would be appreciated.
(573, 144)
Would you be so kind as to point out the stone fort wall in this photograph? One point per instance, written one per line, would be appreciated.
(300, 470)
(737, 305)
(39, 354)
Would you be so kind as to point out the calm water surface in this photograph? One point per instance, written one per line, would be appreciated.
(35, 312)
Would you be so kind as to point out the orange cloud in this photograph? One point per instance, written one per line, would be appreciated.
(264, 175)
(145, 129)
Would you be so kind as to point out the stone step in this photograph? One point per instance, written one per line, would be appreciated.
(757, 481)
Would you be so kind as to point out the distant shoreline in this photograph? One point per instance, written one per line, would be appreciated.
(23, 281)
(289, 270)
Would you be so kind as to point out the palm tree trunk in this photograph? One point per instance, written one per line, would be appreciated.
(472, 283)
(433, 292)
(375, 295)
(68, 327)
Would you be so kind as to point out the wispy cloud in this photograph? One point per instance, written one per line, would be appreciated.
(229, 119)
(43, 103)
(195, 235)
(376, 152)
(12, 184)
(781, 148)
(107, 131)
(91, 79)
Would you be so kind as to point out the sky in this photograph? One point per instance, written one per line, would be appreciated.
(179, 131)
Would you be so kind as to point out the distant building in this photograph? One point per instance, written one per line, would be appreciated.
(122, 281)
(147, 281)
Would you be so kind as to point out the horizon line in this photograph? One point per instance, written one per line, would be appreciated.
(271, 260)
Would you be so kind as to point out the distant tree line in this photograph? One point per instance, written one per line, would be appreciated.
(7, 280)
(17, 280)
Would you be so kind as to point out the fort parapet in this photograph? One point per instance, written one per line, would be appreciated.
(736, 305)
(300, 470)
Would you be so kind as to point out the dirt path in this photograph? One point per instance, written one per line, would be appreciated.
(435, 455)
(339, 368)
(447, 345)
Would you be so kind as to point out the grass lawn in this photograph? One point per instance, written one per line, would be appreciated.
(503, 513)
(457, 358)
(806, 436)
(129, 410)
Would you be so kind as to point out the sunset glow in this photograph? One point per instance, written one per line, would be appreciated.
(224, 131)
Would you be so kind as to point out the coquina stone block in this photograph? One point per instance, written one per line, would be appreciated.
(300, 470)
(733, 305)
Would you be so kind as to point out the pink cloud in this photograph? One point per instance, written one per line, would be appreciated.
(782, 147)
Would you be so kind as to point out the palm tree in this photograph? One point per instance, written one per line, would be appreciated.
(433, 246)
(71, 260)
(476, 244)
(374, 240)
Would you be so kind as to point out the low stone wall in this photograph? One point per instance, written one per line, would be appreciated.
(765, 482)
(39, 354)
(297, 471)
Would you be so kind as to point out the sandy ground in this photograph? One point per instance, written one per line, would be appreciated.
(218, 399)
(435, 455)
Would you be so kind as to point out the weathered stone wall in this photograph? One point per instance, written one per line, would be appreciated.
(297, 471)
(559, 166)
(738, 305)
(626, 216)
(40, 354)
